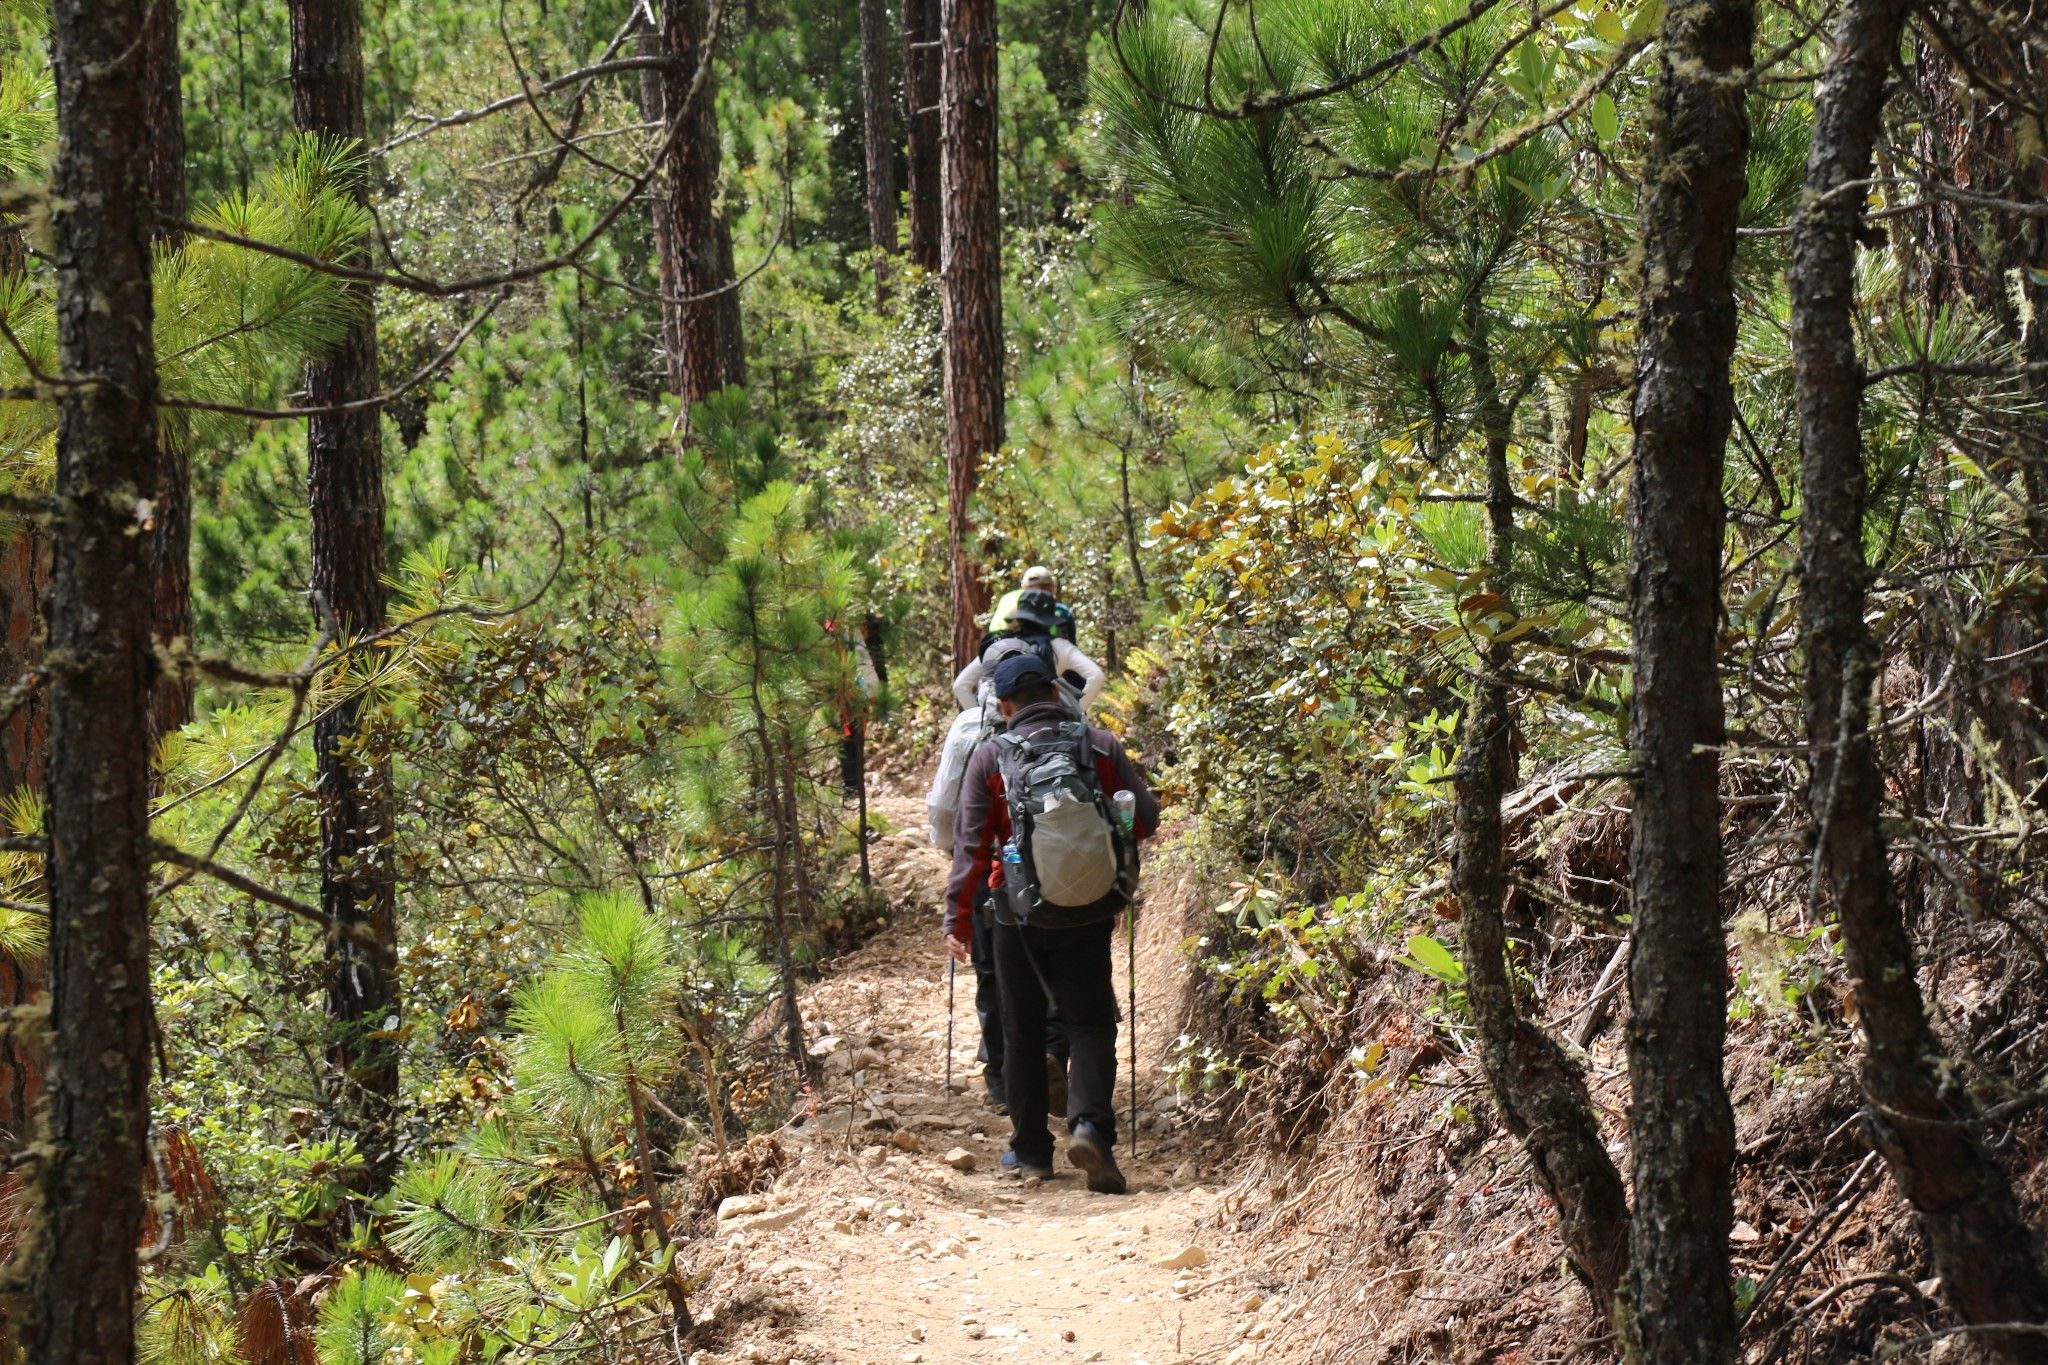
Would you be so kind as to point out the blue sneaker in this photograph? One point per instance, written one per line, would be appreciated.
(1090, 1152)
(1017, 1168)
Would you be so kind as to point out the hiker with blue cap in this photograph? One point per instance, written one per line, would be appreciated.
(1051, 812)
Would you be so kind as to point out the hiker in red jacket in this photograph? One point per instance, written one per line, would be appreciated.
(1058, 884)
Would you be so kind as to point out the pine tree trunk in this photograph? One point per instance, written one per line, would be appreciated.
(800, 900)
(166, 121)
(921, 65)
(972, 280)
(170, 702)
(652, 102)
(785, 838)
(1680, 1122)
(345, 493)
(700, 322)
(88, 1180)
(1918, 1113)
(1976, 139)
(1539, 1090)
(650, 1182)
(732, 348)
(24, 577)
(1986, 260)
(879, 137)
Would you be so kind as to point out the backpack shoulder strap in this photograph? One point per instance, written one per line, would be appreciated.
(1078, 738)
(1013, 752)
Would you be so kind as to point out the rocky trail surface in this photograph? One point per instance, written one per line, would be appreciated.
(888, 1239)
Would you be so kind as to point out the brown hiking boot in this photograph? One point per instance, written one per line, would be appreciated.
(1055, 1087)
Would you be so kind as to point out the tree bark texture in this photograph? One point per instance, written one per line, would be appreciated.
(971, 275)
(1918, 1114)
(921, 82)
(1537, 1087)
(1681, 1124)
(878, 113)
(732, 346)
(24, 578)
(1979, 141)
(345, 494)
(166, 120)
(700, 320)
(170, 703)
(87, 1180)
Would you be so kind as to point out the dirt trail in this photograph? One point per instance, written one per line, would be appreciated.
(873, 1250)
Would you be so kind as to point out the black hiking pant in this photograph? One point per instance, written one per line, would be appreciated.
(1076, 968)
(988, 1000)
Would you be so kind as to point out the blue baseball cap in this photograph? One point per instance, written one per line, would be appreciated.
(1020, 673)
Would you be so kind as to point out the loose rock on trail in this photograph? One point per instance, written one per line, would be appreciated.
(889, 1240)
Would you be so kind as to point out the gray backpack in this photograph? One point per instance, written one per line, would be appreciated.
(1076, 864)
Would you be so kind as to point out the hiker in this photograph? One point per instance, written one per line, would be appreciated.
(1051, 812)
(858, 697)
(1038, 578)
(1032, 619)
(971, 729)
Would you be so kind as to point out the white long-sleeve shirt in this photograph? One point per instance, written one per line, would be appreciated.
(1066, 657)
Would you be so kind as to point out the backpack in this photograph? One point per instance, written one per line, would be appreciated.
(1075, 864)
(995, 648)
(972, 729)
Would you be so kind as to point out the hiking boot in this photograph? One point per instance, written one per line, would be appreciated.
(994, 1100)
(1088, 1151)
(1055, 1087)
(1014, 1167)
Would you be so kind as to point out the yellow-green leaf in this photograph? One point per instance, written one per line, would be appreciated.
(1606, 118)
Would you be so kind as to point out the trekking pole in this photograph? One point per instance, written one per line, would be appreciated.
(952, 966)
